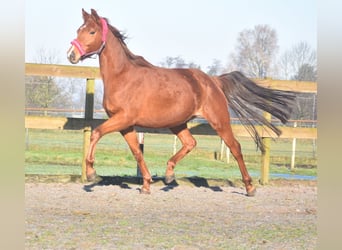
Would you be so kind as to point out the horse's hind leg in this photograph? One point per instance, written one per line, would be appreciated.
(227, 136)
(235, 149)
(188, 142)
(220, 121)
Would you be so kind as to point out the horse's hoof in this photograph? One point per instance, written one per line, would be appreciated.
(91, 177)
(144, 191)
(251, 192)
(169, 178)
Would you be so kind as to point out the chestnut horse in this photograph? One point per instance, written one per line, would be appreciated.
(137, 93)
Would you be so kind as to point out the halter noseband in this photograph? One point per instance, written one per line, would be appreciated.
(82, 52)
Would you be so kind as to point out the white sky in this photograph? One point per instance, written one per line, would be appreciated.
(197, 30)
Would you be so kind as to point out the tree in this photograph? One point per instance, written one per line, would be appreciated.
(173, 62)
(255, 51)
(299, 63)
(215, 68)
(306, 72)
(284, 66)
(46, 56)
(177, 62)
(44, 91)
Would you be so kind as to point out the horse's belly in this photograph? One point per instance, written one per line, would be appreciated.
(164, 117)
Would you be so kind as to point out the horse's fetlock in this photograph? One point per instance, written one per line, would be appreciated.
(247, 181)
(171, 164)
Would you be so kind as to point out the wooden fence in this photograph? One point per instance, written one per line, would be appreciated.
(88, 123)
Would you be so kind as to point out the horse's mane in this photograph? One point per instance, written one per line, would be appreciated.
(137, 60)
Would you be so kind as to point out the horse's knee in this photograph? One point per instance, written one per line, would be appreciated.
(95, 135)
(190, 144)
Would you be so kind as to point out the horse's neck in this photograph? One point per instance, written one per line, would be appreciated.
(113, 59)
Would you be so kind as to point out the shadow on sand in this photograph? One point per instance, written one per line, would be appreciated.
(127, 181)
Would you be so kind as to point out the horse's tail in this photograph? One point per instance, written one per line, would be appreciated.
(244, 96)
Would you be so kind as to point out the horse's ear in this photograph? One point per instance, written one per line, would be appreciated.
(85, 14)
(95, 15)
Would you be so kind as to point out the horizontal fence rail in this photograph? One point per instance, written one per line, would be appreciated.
(101, 114)
(94, 72)
(48, 122)
(87, 123)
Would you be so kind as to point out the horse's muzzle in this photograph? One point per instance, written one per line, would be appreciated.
(72, 56)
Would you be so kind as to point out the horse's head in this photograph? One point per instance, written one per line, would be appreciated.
(91, 37)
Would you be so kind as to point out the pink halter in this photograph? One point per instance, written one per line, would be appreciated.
(84, 55)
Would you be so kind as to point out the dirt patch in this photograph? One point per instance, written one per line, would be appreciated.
(209, 215)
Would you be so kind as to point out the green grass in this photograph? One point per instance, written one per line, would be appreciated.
(60, 152)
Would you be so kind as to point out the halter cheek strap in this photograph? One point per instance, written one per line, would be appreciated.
(104, 29)
(82, 52)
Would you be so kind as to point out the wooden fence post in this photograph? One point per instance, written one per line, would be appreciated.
(228, 154)
(175, 145)
(293, 156)
(222, 150)
(223, 146)
(88, 116)
(265, 156)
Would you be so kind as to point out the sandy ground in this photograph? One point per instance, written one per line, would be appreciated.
(73, 215)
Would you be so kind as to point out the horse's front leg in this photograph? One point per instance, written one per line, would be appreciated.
(188, 142)
(115, 123)
(130, 136)
(94, 138)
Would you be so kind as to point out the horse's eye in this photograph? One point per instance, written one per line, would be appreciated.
(92, 32)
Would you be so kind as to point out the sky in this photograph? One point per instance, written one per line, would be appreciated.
(197, 30)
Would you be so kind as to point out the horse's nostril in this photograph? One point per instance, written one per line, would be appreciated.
(72, 55)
